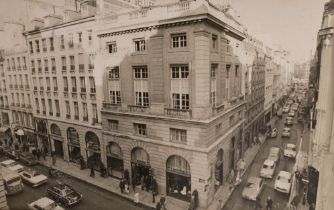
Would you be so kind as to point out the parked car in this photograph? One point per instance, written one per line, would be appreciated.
(253, 188)
(274, 154)
(286, 133)
(33, 178)
(290, 151)
(273, 133)
(283, 182)
(288, 121)
(44, 203)
(285, 109)
(27, 158)
(291, 114)
(12, 165)
(268, 169)
(65, 194)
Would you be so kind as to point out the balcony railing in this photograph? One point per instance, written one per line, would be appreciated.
(51, 113)
(41, 88)
(179, 113)
(48, 88)
(65, 89)
(134, 108)
(29, 106)
(55, 88)
(23, 105)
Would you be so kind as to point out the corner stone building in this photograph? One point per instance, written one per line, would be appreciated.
(173, 108)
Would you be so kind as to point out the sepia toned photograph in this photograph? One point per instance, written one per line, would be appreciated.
(166, 104)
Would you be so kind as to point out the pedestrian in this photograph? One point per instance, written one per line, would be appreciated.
(126, 176)
(195, 194)
(92, 173)
(38, 154)
(192, 203)
(163, 201)
(122, 185)
(34, 153)
(126, 188)
(82, 163)
(53, 158)
(158, 206)
(242, 166)
(269, 203)
(136, 198)
(44, 154)
(304, 195)
(154, 190)
(258, 203)
(231, 177)
(219, 205)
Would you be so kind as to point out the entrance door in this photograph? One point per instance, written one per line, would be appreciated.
(115, 167)
(59, 151)
(94, 159)
(139, 172)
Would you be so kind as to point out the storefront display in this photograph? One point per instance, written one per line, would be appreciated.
(140, 167)
(93, 151)
(73, 145)
(115, 163)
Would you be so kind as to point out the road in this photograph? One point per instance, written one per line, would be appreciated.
(235, 201)
(93, 198)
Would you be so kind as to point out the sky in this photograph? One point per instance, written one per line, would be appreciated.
(290, 24)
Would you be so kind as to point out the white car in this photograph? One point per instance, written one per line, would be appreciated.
(291, 114)
(290, 151)
(286, 132)
(274, 154)
(253, 188)
(283, 182)
(44, 203)
(12, 165)
(285, 109)
(33, 178)
(268, 169)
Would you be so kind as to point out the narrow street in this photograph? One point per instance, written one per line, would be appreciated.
(236, 202)
(93, 197)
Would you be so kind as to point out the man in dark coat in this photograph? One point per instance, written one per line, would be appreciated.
(122, 185)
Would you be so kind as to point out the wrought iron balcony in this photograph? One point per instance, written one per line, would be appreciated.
(134, 108)
(178, 113)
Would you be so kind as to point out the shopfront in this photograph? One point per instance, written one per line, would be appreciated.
(5, 135)
(232, 153)
(42, 135)
(73, 145)
(57, 141)
(219, 167)
(93, 151)
(115, 162)
(178, 178)
(140, 166)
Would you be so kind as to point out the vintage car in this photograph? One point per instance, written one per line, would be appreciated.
(290, 151)
(273, 133)
(65, 194)
(274, 154)
(268, 169)
(288, 121)
(27, 158)
(33, 178)
(12, 165)
(283, 182)
(286, 133)
(291, 114)
(44, 203)
(253, 188)
(285, 109)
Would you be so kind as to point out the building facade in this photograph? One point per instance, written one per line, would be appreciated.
(173, 99)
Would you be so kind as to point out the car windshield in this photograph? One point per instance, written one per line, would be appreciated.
(283, 179)
(11, 181)
(265, 166)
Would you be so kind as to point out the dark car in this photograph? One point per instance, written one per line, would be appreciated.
(64, 194)
(27, 158)
(11, 153)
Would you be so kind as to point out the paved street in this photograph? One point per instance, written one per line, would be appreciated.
(280, 200)
(94, 198)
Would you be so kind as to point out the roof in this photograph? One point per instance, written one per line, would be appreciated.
(254, 179)
(269, 162)
(43, 202)
(285, 174)
(290, 145)
(276, 149)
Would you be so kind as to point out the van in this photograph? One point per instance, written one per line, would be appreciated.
(12, 181)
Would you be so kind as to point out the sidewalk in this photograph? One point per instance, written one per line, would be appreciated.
(112, 185)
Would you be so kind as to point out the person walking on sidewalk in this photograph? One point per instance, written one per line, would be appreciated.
(38, 154)
(231, 176)
(269, 203)
(136, 198)
(158, 206)
(92, 173)
(192, 203)
(258, 203)
(242, 166)
(163, 201)
(122, 185)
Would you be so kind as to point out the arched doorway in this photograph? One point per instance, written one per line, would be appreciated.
(232, 153)
(57, 141)
(140, 165)
(93, 151)
(115, 162)
(73, 145)
(219, 171)
(178, 178)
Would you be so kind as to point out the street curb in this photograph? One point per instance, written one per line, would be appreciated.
(100, 187)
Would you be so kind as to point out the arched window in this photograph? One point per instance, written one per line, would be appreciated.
(138, 154)
(113, 149)
(92, 141)
(55, 130)
(178, 164)
(72, 136)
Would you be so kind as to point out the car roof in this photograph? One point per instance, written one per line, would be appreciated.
(274, 149)
(8, 161)
(284, 174)
(43, 202)
(254, 180)
(290, 145)
(269, 162)
(286, 129)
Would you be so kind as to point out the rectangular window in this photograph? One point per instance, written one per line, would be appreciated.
(112, 47)
(24, 63)
(48, 83)
(37, 105)
(90, 38)
(53, 64)
(179, 40)
(44, 45)
(214, 41)
(236, 70)
(180, 101)
(80, 37)
(91, 61)
(62, 42)
(113, 73)
(85, 111)
(57, 108)
(83, 84)
(140, 72)
(142, 99)
(50, 107)
(140, 45)
(32, 66)
(31, 47)
(43, 105)
(41, 85)
(178, 135)
(228, 67)
(95, 117)
(92, 84)
(51, 44)
(115, 97)
(213, 72)
(72, 63)
(39, 64)
(213, 98)
(63, 62)
(76, 110)
(180, 71)
(140, 129)
(46, 65)
(65, 80)
(37, 45)
(74, 84)
(55, 83)
(113, 125)
(68, 109)
(70, 40)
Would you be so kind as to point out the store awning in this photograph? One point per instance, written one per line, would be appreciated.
(20, 132)
(4, 129)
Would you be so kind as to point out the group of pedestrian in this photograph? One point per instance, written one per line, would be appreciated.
(38, 153)
(161, 204)
(269, 203)
(124, 186)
